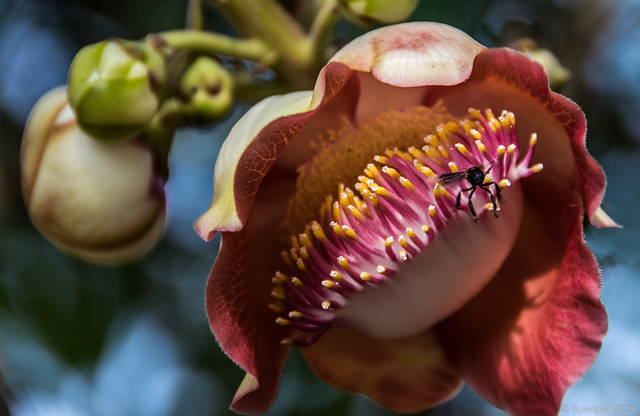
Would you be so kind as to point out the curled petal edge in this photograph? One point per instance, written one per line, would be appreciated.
(601, 219)
(222, 214)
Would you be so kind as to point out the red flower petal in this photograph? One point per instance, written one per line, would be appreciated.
(539, 324)
(243, 326)
(239, 286)
(406, 375)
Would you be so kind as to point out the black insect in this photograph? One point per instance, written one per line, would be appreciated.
(475, 175)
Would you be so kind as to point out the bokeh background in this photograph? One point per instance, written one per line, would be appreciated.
(79, 340)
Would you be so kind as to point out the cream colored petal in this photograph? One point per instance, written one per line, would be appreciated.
(413, 54)
(222, 214)
(96, 200)
(36, 135)
(602, 219)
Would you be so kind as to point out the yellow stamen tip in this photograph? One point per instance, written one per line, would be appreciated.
(379, 190)
(476, 134)
(282, 321)
(305, 240)
(336, 228)
(295, 314)
(489, 207)
(453, 167)
(300, 264)
(286, 258)
(407, 184)
(432, 210)
(381, 269)
(343, 262)
(344, 199)
(336, 275)
(336, 211)
(512, 148)
(296, 282)
(403, 255)
(328, 284)
(365, 276)
(356, 212)
(278, 292)
(426, 171)
(415, 152)
(505, 183)
(391, 172)
(388, 241)
(381, 159)
(326, 304)
(462, 149)
(481, 147)
(440, 191)
(317, 231)
(349, 232)
(275, 307)
(280, 277)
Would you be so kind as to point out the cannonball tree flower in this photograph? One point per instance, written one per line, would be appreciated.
(99, 201)
(413, 223)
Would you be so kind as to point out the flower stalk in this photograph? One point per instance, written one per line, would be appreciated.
(252, 49)
(268, 21)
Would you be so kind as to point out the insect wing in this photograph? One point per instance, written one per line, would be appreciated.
(453, 178)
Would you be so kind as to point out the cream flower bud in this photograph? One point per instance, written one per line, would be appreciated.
(115, 87)
(384, 11)
(99, 201)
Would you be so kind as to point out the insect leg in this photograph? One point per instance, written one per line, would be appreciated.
(460, 194)
(497, 187)
(494, 199)
(470, 204)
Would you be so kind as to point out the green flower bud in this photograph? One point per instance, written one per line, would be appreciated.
(115, 87)
(382, 11)
(206, 91)
(557, 73)
(99, 201)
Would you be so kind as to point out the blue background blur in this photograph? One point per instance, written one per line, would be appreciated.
(78, 340)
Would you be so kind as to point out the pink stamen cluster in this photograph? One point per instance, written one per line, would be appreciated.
(359, 240)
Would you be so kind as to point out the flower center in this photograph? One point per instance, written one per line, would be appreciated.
(410, 242)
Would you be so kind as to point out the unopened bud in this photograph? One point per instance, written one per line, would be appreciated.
(557, 73)
(115, 87)
(206, 91)
(382, 11)
(99, 201)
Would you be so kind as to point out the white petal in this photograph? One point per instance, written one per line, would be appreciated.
(413, 54)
